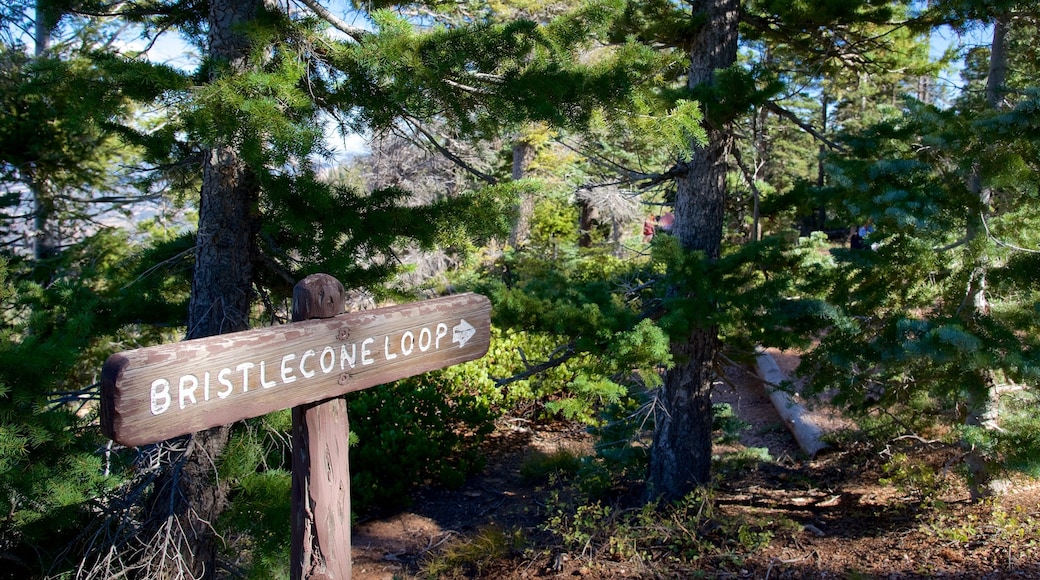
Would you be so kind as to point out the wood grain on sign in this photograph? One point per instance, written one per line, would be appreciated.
(156, 393)
(320, 493)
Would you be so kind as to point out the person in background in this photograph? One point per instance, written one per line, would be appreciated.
(649, 224)
(665, 222)
(865, 230)
(856, 241)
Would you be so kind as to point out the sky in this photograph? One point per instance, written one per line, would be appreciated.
(944, 37)
(171, 49)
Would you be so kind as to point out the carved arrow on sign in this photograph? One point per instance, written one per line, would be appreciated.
(462, 332)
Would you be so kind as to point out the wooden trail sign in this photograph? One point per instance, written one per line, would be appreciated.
(152, 394)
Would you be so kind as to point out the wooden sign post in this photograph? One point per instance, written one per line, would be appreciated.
(320, 496)
(153, 394)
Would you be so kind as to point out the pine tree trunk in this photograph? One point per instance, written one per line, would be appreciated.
(997, 64)
(46, 241)
(46, 236)
(983, 399)
(189, 495)
(221, 289)
(587, 220)
(523, 153)
(762, 152)
(681, 454)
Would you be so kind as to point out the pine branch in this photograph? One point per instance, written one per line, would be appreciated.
(645, 180)
(159, 266)
(595, 186)
(355, 33)
(553, 361)
(117, 199)
(443, 150)
(631, 175)
(79, 398)
(120, 9)
(466, 88)
(955, 244)
(674, 172)
(784, 113)
(110, 543)
(1002, 243)
(749, 176)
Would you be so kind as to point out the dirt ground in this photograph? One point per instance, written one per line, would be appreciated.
(848, 524)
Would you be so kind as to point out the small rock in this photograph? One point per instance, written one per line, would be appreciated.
(813, 530)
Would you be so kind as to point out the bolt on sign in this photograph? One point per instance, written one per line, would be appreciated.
(155, 393)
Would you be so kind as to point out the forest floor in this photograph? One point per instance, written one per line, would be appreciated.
(824, 517)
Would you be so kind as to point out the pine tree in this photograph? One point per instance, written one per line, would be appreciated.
(62, 297)
(54, 464)
(695, 108)
(63, 163)
(817, 38)
(252, 126)
(681, 453)
(940, 325)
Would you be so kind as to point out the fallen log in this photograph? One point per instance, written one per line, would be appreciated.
(794, 415)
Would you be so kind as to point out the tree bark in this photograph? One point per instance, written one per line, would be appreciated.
(983, 399)
(46, 242)
(997, 64)
(189, 495)
(587, 221)
(523, 154)
(681, 454)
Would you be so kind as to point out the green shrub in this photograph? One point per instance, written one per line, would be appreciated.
(539, 466)
(678, 535)
(726, 423)
(418, 430)
(259, 517)
(469, 557)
